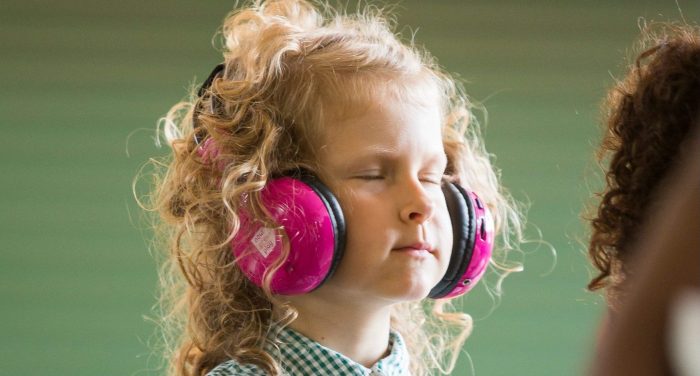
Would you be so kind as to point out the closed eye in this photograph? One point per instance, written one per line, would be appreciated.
(369, 177)
(432, 178)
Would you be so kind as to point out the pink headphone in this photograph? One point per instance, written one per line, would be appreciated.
(311, 220)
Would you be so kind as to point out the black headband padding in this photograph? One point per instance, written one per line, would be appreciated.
(215, 104)
(207, 83)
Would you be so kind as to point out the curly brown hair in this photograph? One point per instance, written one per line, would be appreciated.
(647, 117)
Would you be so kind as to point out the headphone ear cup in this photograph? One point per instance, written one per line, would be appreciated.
(473, 235)
(310, 225)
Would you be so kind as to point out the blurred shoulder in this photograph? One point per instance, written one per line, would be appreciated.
(233, 368)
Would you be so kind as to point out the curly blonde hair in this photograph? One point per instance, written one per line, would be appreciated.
(648, 115)
(285, 64)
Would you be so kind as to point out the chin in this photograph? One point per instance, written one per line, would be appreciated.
(413, 290)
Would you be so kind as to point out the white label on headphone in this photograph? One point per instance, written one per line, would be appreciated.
(264, 240)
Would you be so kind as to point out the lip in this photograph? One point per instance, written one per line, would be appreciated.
(416, 248)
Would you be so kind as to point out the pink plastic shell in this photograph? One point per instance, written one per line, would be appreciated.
(483, 247)
(304, 223)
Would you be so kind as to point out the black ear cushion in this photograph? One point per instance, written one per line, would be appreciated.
(336, 215)
(463, 220)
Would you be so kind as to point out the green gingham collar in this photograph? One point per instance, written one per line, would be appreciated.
(299, 355)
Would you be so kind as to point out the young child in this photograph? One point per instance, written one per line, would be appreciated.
(657, 326)
(649, 115)
(325, 180)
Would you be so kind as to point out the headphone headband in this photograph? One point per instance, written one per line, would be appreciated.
(215, 103)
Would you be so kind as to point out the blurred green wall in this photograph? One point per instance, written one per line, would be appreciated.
(82, 84)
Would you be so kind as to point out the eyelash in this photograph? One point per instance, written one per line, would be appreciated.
(371, 177)
(381, 177)
(432, 181)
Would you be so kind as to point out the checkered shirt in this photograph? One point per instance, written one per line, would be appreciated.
(300, 356)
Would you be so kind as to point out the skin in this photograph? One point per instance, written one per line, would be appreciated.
(668, 264)
(385, 163)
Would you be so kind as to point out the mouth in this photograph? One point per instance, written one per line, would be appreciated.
(416, 249)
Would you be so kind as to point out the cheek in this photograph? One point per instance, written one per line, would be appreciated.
(362, 205)
(363, 217)
(443, 230)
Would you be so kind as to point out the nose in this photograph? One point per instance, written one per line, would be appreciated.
(418, 206)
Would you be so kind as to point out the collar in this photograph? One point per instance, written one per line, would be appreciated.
(299, 355)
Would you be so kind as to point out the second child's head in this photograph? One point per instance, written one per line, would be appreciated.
(374, 119)
(648, 117)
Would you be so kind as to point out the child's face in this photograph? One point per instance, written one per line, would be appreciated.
(385, 164)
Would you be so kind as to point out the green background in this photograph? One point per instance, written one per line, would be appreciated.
(82, 84)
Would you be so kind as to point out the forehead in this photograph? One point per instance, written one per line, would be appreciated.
(385, 126)
(345, 97)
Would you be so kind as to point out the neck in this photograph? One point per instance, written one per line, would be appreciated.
(358, 332)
